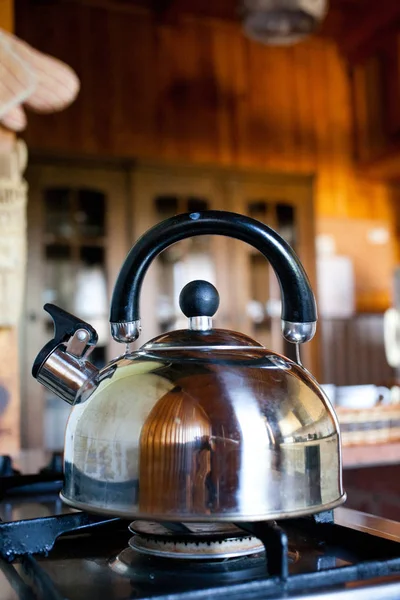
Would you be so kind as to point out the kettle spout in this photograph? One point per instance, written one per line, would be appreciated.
(62, 365)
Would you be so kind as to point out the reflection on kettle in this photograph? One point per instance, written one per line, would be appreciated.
(200, 423)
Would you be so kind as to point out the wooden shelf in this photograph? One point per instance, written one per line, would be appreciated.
(371, 455)
(58, 240)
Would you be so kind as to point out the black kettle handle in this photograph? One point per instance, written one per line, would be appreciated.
(299, 313)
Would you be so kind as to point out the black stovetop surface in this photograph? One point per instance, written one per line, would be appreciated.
(321, 556)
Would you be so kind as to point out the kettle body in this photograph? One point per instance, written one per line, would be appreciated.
(243, 435)
(200, 424)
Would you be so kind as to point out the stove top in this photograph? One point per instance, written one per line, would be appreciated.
(49, 551)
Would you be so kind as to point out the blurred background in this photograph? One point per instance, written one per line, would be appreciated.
(189, 106)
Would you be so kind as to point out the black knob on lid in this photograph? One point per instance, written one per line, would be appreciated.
(199, 299)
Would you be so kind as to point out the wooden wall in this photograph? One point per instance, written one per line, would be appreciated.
(196, 90)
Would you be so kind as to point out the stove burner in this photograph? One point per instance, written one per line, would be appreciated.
(153, 571)
(194, 541)
(174, 575)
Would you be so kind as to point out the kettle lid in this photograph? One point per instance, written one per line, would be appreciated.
(199, 301)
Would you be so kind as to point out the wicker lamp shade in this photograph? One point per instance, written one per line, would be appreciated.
(13, 198)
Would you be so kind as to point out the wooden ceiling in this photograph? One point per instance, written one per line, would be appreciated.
(351, 23)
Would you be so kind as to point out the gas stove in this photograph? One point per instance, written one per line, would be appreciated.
(50, 551)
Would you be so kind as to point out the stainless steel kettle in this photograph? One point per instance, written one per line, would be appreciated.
(199, 424)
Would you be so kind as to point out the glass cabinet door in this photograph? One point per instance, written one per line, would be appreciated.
(285, 204)
(181, 263)
(77, 240)
(160, 194)
(75, 273)
(264, 303)
(75, 278)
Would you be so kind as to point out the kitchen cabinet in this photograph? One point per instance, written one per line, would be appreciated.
(81, 224)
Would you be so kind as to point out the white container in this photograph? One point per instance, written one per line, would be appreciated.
(330, 391)
(361, 396)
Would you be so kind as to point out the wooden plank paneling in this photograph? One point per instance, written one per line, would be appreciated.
(231, 72)
(7, 15)
(134, 114)
(304, 133)
(353, 351)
